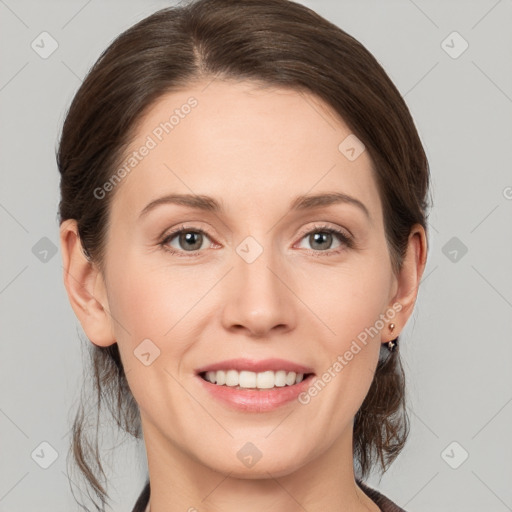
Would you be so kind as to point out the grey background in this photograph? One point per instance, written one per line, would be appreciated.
(456, 347)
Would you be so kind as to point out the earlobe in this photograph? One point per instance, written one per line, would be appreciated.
(85, 287)
(409, 278)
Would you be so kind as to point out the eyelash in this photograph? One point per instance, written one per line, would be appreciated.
(342, 237)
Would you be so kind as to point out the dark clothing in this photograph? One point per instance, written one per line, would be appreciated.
(385, 504)
(142, 500)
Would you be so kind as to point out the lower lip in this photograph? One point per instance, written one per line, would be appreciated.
(254, 400)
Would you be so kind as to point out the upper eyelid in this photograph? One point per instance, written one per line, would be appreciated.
(327, 226)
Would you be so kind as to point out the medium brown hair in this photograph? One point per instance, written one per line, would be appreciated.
(274, 42)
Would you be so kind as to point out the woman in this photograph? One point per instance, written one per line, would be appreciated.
(243, 230)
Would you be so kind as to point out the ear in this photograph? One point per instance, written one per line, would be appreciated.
(85, 287)
(408, 280)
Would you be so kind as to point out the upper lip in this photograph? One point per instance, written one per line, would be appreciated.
(252, 365)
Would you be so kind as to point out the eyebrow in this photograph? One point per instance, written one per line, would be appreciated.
(303, 202)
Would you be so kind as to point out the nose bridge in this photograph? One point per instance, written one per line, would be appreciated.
(258, 298)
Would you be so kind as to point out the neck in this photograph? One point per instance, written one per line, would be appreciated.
(180, 481)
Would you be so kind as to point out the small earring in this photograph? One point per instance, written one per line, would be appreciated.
(393, 343)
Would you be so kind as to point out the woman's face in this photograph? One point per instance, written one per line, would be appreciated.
(255, 279)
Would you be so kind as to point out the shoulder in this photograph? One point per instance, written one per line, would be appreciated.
(384, 503)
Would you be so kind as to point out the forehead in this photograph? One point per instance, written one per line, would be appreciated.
(251, 146)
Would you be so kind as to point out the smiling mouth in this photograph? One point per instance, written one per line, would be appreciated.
(278, 383)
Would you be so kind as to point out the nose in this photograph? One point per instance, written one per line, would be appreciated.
(259, 297)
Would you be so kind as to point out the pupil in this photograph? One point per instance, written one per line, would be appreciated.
(189, 237)
(322, 235)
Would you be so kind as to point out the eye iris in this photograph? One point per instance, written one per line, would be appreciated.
(317, 237)
(188, 237)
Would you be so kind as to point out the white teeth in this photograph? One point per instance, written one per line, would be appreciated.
(231, 378)
(246, 379)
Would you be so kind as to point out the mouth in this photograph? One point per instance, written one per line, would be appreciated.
(252, 381)
(255, 392)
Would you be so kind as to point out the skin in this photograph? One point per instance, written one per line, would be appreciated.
(254, 149)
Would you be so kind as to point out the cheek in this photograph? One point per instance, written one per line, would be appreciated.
(352, 309)
(145, 306)
(158, 303)
(350, 301)
(150, 299)
(139, 300)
